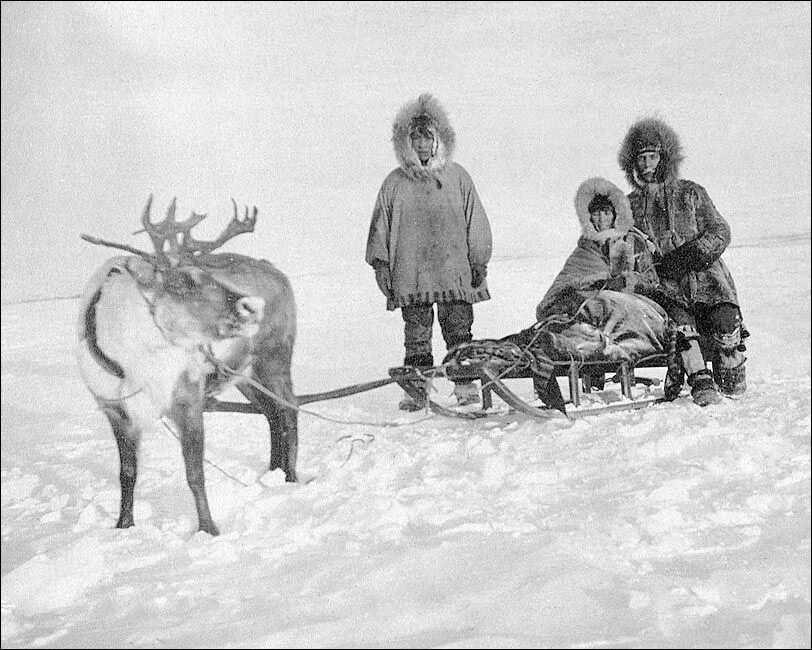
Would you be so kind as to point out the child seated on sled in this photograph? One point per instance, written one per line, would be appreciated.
(610, 253)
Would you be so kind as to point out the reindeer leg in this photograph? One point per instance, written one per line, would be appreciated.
(282, 421)
(187, 413)
(127, 438)
(289, 423)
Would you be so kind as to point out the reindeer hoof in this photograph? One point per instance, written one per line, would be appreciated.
(125, 522)
(210, 528)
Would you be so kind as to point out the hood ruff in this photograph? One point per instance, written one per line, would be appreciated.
(645, 131)
(621, 251)
(623, 209)
(444, 138)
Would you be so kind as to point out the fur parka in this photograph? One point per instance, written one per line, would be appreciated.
(679, 218)
(617, 258)
(428, 224)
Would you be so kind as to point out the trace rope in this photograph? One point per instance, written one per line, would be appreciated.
(221, 367)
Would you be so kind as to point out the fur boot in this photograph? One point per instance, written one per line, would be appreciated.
(417, 401)
(732, 381)
(703, 388)
(411, 404)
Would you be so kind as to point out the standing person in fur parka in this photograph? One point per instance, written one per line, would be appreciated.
(690, 236)
(610, 254)
(429, 239)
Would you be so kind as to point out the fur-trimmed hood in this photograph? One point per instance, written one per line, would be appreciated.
(605, 259)
(444, 137)
(623, 210)
(646, 131)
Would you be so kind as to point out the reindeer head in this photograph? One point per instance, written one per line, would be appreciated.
(192, 308)
(189, 305)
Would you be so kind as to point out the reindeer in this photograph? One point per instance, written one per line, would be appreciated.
(161, 333)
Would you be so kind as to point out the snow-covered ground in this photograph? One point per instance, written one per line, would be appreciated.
(675, 526)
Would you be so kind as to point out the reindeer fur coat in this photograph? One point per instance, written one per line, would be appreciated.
(428, 224)
(678, 214)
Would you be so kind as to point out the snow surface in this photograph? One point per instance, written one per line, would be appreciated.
(670, 527)
(675, 526)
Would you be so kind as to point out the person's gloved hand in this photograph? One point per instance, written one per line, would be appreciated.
(677, 263)
(672, 266)
(384, 279)
(478, 274)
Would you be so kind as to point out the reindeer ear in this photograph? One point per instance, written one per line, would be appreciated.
(144, 273)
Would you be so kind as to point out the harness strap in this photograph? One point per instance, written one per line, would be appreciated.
(104, 361)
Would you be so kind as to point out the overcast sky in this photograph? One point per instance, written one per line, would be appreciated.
(288, 106)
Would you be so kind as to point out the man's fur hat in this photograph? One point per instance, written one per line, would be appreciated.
(651, 134)
(425, 112)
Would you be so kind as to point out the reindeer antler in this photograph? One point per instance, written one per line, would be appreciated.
(168, 230)
(187, 248)
(156, 260)
(192, 247)
(152, 259)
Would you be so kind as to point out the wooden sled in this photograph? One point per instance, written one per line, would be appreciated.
(580, 375)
